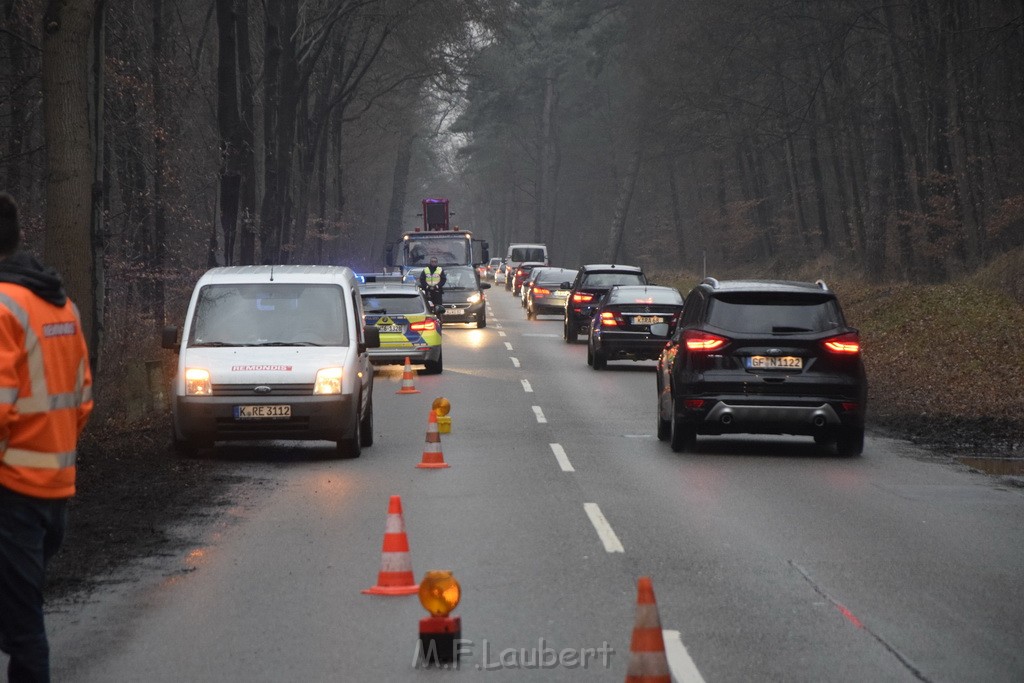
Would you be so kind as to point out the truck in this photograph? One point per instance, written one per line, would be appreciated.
(437, 238)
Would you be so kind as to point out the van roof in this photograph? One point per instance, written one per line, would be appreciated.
(304, 273)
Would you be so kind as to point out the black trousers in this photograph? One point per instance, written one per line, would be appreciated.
(31, 531)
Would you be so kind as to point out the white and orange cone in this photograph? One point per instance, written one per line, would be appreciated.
(408, 387)
(395, 576)
(433, 457)
(647, 660)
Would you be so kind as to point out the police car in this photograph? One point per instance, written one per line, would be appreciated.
(407, 327)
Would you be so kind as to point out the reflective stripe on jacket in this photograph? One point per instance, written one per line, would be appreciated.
(432, 279)
(45, 393)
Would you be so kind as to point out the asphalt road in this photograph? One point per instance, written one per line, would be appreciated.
(770, 558)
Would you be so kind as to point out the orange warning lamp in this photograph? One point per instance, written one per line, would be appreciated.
(439, 593)
(440, 634)
(441, 406)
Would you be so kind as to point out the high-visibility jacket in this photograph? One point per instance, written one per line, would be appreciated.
(432, 278)
(45, 393)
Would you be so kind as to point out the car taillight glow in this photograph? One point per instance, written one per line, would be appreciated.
(540, 291)
(609, 319)
(703, 341)
(582, 298)
(845, 343)
(693, 403)
(424, 326)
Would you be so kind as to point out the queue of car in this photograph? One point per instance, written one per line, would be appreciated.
(733, 357)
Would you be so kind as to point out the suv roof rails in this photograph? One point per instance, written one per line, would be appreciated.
(821, 284)
(710, 281)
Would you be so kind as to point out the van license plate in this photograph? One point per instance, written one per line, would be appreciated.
(775, 363)
(262, 412)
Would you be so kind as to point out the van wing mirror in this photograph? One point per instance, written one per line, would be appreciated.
(169, 338)
(371, 335)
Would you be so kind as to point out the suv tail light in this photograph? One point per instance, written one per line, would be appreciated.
(703, 341)
(424, 326)
(582, 298)
(847, 344)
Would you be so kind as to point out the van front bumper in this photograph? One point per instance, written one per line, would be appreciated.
(205, 419)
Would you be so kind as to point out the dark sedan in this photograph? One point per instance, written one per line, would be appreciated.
(621, 326)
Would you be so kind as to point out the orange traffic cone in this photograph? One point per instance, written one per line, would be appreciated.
(432, 455)
(647, 660)
(395, 577)
(407, 384)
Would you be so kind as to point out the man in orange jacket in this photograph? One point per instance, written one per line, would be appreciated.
(45, 400)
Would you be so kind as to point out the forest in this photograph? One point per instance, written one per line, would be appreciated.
(148, 140)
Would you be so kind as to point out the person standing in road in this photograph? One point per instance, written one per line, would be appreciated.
(432, 279)
(45, 400)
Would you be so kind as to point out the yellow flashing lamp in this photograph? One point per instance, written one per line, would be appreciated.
(441, 406)
(439, 592)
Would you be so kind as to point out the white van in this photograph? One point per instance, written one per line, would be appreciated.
(522, 252)
(273, 352)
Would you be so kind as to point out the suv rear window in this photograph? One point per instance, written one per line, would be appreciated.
(645, 296)
(772, 313)
(612, 278)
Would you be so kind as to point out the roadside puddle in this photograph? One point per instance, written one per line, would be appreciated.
(1005, 466)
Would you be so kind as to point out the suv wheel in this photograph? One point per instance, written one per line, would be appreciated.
(682, 437)
(850, 442)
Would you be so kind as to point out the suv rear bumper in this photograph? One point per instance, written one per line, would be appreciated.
(808, 416)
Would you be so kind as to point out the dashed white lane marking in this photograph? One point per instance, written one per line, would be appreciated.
(603, 528)
(515, 361)
(561, 457)
(683, 668)
(526, 386)
(540, 415)
(508, 345)
(500, 333)
(531, 334)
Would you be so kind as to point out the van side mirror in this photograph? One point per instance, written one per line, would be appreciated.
(169, 338)
(372, 336)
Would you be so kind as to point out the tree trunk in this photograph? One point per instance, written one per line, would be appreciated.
(161, 121)
(270, 213)
(286, 118)
(67, 30)
(677, 217)
(399, 185)
(228, 126)
(880, 189)
(247, 192)
(626, 187)
(98, 227)
(543, 157)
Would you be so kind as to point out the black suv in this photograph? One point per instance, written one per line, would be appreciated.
(762, 357)
(591, 282)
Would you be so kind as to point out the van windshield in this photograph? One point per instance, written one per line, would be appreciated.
(269, 314)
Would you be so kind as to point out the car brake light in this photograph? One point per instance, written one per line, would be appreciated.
(540, 291)
(703, 341)
(582, 298)
(424, 326)
(845, 343)
(693, 403)
(609, 319)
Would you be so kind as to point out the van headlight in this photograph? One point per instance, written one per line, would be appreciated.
(197, 382)
(328, 381)
(473, 298)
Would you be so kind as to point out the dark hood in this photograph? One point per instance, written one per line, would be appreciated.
(21, 268)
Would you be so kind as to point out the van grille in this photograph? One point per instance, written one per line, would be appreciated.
(250, 390)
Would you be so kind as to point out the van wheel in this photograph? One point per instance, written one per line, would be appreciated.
(352, 447)
(366, 428)
(434, 367)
